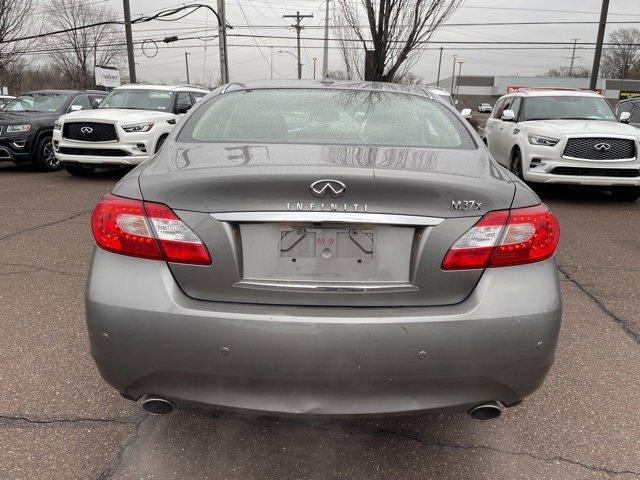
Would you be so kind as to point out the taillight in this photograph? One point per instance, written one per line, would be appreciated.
(147, 230)
(506, 237)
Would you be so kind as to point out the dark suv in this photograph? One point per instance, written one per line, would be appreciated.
(26, 124)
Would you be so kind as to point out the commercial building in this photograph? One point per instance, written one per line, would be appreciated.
(472, 90)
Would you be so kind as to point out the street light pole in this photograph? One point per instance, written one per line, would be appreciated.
(314, 67)
(453, 78)
(624, 72)
(325, 53)
(439, 65)
(459, 73)
(271, 63)
(186, 62)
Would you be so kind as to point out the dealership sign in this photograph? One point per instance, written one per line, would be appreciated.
(107, 76)
(512, 89)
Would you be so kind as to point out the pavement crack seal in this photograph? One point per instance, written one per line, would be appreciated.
(24, 420)
(111, 470)
(35, 269)
(626, 326)
(37, 227)
(555, 458)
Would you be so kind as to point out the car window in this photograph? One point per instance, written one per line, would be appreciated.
(95, 100)
(83, 101)
(37, 102)
(183, 102)
(138, 99)
(351, 117)
(515, 105)
(497, 110)
(567, 108)
(196, 96)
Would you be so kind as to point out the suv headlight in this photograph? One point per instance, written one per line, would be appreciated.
(541, 140)
(57, 126)
(18, 128)
(139, 127)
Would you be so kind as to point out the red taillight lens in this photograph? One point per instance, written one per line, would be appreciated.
(144, 229)
(504, 237)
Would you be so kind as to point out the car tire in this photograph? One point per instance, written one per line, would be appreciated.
(79, 170)
(159, 144)
(44, 156)
(626, 194)
(516, 164)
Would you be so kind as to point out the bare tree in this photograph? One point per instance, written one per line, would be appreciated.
(577, 72)
(624, 56)
(76, 52)
(16, 21)
(395, 28)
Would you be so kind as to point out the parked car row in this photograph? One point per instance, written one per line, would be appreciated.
(84, 130)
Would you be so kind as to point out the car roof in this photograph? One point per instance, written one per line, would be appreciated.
(162, 88)
(67, 92)
(421, 90)
(551, 92)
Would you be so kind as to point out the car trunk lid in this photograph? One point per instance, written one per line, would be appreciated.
(378, 243)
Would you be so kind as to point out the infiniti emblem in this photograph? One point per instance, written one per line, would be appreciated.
(602, 147)
(320, 188)
(86, 130)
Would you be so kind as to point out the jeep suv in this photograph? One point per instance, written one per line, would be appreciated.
(566, 137)
(128, 127)
(26, 124)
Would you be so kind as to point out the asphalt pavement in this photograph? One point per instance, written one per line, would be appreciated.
(59, 420)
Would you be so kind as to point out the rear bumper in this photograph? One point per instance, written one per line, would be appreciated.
(147, 337)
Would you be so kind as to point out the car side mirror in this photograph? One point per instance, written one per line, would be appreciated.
(625, 117)
(466, 113)
(75, 108)
(508, 116)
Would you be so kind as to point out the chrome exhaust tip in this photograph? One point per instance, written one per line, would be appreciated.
(485, 412)
(157, 406)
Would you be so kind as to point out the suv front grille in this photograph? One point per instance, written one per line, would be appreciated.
(618, 148)
(597, 172)
(90, 131)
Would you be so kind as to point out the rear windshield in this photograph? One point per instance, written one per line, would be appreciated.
(350, 117)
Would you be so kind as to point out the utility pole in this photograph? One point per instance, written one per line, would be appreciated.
(298, 28)
(599, 41)
(222, 43)
(453, 79)
(573, 56)
(439, 65)
(325, 53)
(186, 62)
(127, 31)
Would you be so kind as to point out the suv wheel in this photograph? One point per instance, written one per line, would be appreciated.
(626, 194)
(79, 170)
(516, 164)
(44, 156)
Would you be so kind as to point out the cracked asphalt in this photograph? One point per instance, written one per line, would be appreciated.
(59, 420)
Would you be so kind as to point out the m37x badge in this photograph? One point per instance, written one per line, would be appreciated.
(465, 205)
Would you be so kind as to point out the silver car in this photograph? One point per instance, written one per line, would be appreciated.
(324, 248)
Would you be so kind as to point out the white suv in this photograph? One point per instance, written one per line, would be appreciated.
(128, 127)
(565, 136)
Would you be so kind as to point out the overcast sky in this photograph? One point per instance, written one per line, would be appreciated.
(248, 62)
